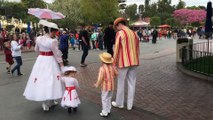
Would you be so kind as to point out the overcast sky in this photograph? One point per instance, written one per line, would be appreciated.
(174, 2)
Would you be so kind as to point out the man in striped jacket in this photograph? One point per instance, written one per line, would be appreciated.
(126, 57)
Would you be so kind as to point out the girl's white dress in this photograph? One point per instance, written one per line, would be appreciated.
(44, 82)
(70, 98)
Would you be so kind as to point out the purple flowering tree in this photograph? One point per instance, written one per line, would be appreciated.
(188, 16)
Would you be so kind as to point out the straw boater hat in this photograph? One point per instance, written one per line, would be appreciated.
(48, 24)
(117, 21)
(106, 57)
(70, 69)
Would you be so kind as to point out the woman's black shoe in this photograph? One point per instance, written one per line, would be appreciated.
(75, 109)
(69, 110)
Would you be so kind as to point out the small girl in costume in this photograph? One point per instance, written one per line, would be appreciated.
(70, 99)
(106, 76)
(8, 56)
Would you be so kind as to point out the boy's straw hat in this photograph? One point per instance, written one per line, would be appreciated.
(71, 69)
(106, 57)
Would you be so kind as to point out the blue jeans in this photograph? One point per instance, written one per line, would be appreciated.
(18, 65)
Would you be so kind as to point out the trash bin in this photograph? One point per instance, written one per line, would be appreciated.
(188, 44)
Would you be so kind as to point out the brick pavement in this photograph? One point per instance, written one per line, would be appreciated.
(162, 91)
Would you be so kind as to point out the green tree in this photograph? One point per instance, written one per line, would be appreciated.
(165, 10)
(14, 9)
(31, 4)
(146, 4)
(155, 21)
(131, 11)
(171, 22)
(34, 3)
(69, 8)
(181, 5)
(197, 7)
(141, 9)
(99, 11)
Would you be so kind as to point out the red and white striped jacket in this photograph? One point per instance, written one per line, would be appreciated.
(106, 75)
(126, 50)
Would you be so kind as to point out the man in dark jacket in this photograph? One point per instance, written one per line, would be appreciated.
(64, 46)
(154, 36)
(109, 38)
(84, 37)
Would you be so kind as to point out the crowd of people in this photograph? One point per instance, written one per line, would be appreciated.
(147, 34)
(52, 78)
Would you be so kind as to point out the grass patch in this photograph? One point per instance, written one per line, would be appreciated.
(203, 65)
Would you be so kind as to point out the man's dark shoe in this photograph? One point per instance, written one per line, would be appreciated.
(20, 74)
(83, 65)
(12, 73)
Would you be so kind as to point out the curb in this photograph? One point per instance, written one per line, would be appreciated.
(193, 74)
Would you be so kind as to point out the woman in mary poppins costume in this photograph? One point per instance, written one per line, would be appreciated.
(44, 84)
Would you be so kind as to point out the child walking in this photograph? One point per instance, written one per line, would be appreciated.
(70, 99)
(8, 56)
(28, 42)
(106, 75)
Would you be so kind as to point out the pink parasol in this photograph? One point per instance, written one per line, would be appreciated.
(45, 13)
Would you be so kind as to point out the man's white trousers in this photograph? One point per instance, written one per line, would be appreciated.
(126, 74)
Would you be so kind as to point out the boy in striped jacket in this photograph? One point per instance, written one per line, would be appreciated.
(107, 73)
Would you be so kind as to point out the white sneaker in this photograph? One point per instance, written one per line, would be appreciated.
(129, 108)
(103, 114)
(45, 107)
(55, 102)
(117, 106)
(52, 103)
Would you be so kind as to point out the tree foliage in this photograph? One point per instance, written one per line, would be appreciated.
(131, 11)
(151, 10)
(181, 5)
(99, 11)
(196, 7)
(155, 21)
(171, 22)
(34, 3)
(69, 8)
(19, 9)
(147, 4)
(14, 9)
(164, 10)
(141, 9)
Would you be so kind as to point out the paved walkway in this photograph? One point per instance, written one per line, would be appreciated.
(162, 92)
